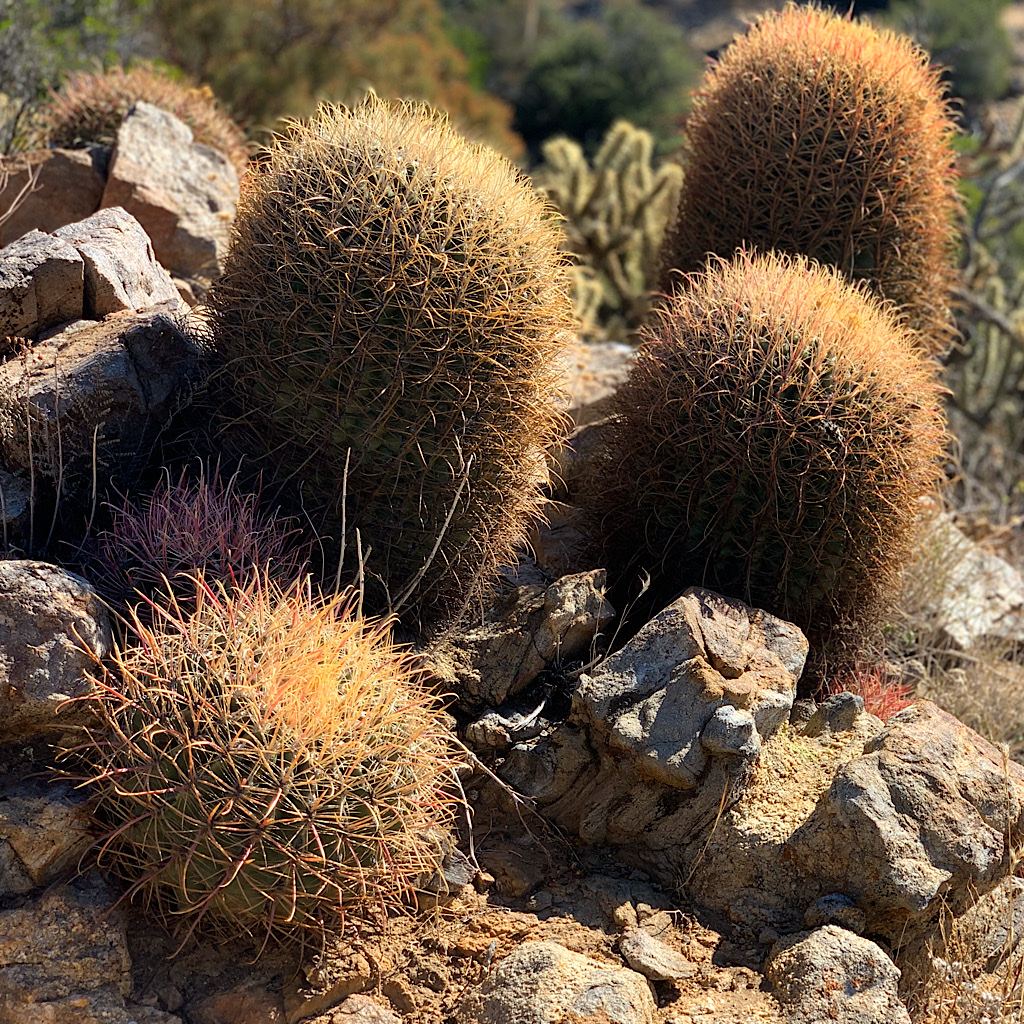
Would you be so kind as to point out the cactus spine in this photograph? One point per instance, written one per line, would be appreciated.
(391, 318)
(821, 136)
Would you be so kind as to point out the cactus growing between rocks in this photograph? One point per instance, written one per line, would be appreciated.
(89, 108)
(390, 320)
(825, 137)
(267, 765)
(773, 442)
(195, 523)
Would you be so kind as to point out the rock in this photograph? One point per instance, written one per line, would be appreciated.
(833, 975)
(835, 908)
(516, 869)
(63, 186)
(121, 272)
(594, 373)
(838, 713)
(544, 983)
(653, 958)
(42, 284)
(44, 830)
(46, 615)
(247, 1003)
(523, 632)
(559, 541)
(361, 1009)
(703, 653)
(64, 960)
(300, 1002)
(181, 192)
(926, 817)
(15, 508)
(974, 595)
(98, 392)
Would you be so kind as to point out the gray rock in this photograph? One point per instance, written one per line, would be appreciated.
(15, 508)
(181, 192)
(44, 829)
(360, 1009)
(46, 616)
(64, 960)
(833, 975)
(42, 284)
(732, 733)
(121, 272)
(544, 983)
(516, 869)
(99, 392)
(522, 633)
(835, 908)
(66, 186)
(653, 958)
(594, 372)
(654, 698)
(925, 817)
(838, 713)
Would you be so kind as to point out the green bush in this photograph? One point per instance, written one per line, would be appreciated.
(966, 37)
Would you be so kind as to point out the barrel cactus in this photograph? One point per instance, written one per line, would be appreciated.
(268, 766)
(822, 136)
(90, 106)
(390, 321)
(773, 442)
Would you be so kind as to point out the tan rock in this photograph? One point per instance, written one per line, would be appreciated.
(42, 284)
(56, 187)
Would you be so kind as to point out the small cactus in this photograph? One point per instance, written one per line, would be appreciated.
(89, 108)
(773, 442)
(820, 136)
(390, 319)
(198, 522)
(615, 218)
(267, 766)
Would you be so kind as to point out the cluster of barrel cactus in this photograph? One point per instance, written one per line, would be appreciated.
(781, 426)
(389, 327)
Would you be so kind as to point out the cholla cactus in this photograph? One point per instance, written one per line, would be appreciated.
(616, 213)
(268, 765)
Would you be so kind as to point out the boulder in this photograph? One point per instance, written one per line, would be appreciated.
(121, 272)
(44, 829)
(523, 632)
(47, 618)
(183, 193)
(544, 983)
(42, 284)
(88, 403)
(926, 817)
(831, 974)
(704, 664)
(64, 960)
(49, 188)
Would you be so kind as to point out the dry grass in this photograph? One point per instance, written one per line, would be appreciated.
(268, 765)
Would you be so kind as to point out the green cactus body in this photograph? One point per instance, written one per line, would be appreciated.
(773, 442)
(269, 766)
(820, 136)
(394, 300)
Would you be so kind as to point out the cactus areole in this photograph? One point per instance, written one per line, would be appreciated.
(390, 321)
